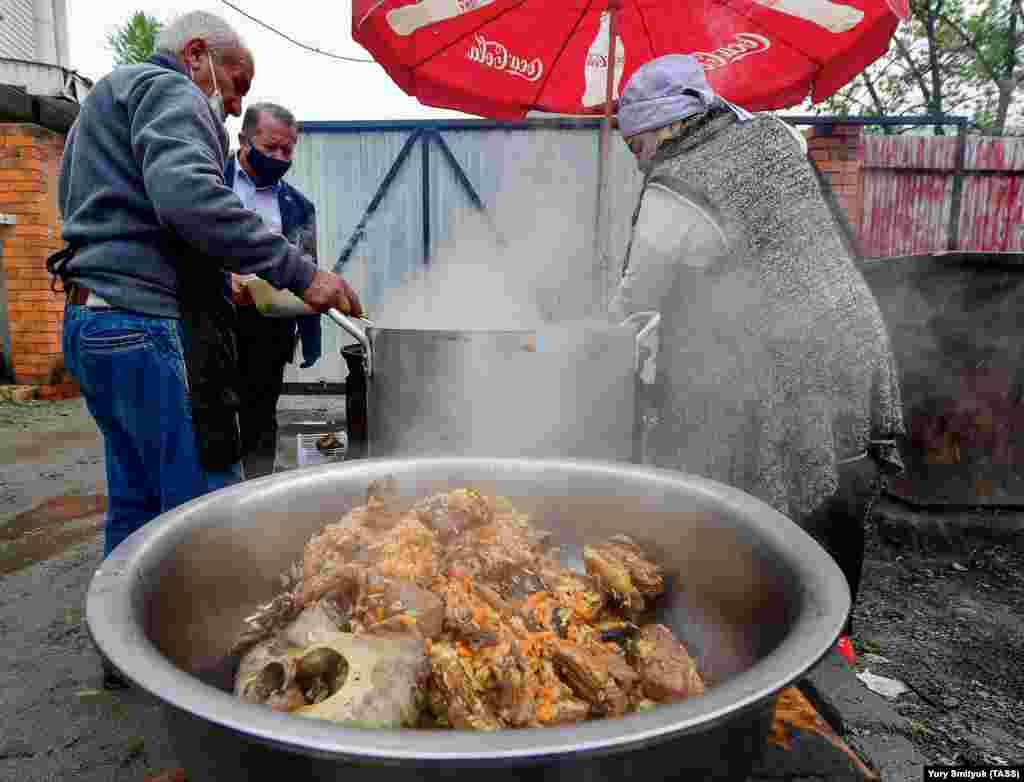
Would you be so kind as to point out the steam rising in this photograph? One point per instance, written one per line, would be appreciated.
(561, 384)
(535, 267)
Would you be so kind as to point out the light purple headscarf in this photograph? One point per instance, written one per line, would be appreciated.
(666, 90)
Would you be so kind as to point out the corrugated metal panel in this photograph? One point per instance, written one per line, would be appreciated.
(995, 153)
(904, 214)
(909, 152)
(992, 213)
(992, 209)
(340, 173)
(907, 211)
(538, 184)
(17, 30)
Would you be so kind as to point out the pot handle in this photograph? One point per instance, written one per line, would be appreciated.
(357, 328)
(646, 341)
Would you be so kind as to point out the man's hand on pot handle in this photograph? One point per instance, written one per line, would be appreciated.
(240, 293)
(329, 290)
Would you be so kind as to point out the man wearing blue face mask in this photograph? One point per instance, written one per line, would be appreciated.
(265, 345)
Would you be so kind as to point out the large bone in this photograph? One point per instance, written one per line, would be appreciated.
(379, 687)
(267, 668)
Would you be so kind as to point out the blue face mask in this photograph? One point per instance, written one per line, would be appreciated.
(268, 170)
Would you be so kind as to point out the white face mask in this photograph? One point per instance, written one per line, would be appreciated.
(216, 100)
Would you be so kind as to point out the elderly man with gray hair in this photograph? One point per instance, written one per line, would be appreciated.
(152, 231)
(774, 369)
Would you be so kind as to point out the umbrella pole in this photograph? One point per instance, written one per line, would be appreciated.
(601, 227)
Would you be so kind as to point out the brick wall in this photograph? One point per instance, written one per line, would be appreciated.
(29, 167)
(840, 156)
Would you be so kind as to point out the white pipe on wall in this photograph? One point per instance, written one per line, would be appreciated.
(46, 39)
(60, 23)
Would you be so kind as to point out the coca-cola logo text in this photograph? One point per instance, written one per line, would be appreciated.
(746, 44)
(496, 55)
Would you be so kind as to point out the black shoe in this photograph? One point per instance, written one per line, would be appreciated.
(112, 678)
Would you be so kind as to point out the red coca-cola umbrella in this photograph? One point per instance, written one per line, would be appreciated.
(505, 58)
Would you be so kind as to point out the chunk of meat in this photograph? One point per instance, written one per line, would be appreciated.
(467, 613)
(646, 575)
(423, 606)
(667, 671)
(567, 711)
(579, 594)
(587, 672)
(557, 703)
(453, 697)
(620, 569)
(513, 691)
(611, 658)
(452, 513)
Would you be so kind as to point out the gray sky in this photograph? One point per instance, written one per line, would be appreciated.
(313, 86)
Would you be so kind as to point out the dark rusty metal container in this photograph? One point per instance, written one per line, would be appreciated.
(954, 319)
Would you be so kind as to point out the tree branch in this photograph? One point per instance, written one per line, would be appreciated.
(933, 60)
(970, 43)
(914, 72)
(874, 97)
(1014, 39)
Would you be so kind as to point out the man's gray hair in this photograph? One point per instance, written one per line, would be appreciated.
(217, 33)
(251, 120)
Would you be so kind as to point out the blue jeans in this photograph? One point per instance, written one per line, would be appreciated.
(131, 368)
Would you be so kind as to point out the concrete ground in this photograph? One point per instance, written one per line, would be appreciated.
(57, 724)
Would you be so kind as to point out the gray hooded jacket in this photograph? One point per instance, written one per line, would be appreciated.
(142, 192)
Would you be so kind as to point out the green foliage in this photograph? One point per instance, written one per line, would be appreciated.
(135, 40)
(952, 57)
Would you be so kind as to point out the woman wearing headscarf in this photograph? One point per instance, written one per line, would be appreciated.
(774, 368)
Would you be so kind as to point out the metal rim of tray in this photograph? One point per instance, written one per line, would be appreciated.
(115, 620)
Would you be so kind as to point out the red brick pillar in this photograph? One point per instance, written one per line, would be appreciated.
(840, 156)
(29, 167)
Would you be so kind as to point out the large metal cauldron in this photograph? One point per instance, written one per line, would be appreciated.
(554, 392)
(755, 598)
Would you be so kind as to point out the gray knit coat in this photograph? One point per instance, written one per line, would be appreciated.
(774, 363)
